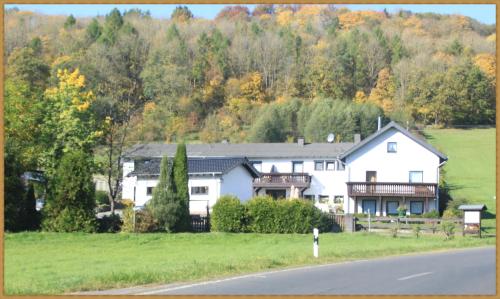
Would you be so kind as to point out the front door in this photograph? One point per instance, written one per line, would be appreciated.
(276, 193)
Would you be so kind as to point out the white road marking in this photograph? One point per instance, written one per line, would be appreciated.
(414, 275)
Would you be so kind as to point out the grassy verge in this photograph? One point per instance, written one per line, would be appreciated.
(51, 263)
(470, 169)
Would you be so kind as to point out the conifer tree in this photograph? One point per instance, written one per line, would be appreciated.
(181, 184)
(165, 205)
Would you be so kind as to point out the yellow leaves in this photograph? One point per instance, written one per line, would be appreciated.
(308, 12)
(83, 106)
(284, 18)
(352, 19)
(251, 87)
(415, 25)
(149, 107)
(71, 79)
(360, 97)
(492, 38)
(487, 63)
(382, 94)
(108, 120)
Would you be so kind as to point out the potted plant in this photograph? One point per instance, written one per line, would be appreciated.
(402, 211)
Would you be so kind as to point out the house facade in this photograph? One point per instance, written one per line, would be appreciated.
(389, 169)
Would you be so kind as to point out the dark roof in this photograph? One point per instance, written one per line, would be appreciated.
(249, 150)
(472, 207)
(394, 125)
(195, 166)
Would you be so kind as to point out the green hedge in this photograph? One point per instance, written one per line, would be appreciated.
(228, 215)
(263, 214)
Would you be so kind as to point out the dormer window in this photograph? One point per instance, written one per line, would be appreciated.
(392, 147)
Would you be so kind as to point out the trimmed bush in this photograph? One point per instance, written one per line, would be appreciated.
(109, 224)
(228, 215)
(431, 214)
(262, 214)
(267, 215)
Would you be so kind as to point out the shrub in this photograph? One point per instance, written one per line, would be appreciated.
(109, 224)
(101, 198)
(417, 230)
(261, 214)
(431, 214)
(145, 222)
(128, 220)
(228, 215)
(449, 214)
(395, 230)
(453, 205)
(448, 229)
(266, 215)
(71, 199)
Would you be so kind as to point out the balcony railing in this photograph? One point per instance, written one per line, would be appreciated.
(299, 180)
(391, 189)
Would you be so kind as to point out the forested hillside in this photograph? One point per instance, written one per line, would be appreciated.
(266, 75)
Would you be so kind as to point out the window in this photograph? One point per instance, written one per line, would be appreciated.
(323, 199)
(371, 176)
(369, 206)
(297, 166)
(330, 165)
(392, 207)
(309, 197)
(149, 191)
(338, 199)
(257, 165)
(416, 176)
(319, 165)
(199, 190)
(416, 207)
(392, 147)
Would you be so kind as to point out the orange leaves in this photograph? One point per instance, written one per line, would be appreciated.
(284, 18)
(487, 63)
(352, 19)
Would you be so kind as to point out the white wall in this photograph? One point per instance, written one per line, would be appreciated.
(198, 203)
(392, 167)
(238, 182)
(324, 182)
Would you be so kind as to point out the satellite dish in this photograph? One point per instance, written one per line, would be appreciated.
(331, 138)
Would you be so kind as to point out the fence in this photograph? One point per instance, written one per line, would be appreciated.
(403, 223)
(338, 222)
(200, 224)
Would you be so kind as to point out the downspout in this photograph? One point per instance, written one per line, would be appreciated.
(438, 178)
(348, 169)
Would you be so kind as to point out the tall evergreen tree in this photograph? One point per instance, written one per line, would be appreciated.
(70, 22)
(165, 206)
(181, 179)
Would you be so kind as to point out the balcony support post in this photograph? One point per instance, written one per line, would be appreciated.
(379, 208)
(355, 205)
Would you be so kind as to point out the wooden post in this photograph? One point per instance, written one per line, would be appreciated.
(379, 208)
(426, 208)
(355, 205)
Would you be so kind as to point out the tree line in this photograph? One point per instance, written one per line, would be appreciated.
(90, 87)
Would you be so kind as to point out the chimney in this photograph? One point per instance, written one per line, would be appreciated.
(379, 123)
(357, 138)
(300, 141)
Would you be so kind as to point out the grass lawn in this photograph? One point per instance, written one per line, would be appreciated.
(52, 263)
(471, 166)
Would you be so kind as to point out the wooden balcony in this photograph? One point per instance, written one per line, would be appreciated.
(282, 180)
(392, 189)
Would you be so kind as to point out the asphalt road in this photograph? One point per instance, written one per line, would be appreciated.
(464, 271)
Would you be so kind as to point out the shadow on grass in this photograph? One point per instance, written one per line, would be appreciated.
(488, 215)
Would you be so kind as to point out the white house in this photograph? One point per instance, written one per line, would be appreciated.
(388, 169)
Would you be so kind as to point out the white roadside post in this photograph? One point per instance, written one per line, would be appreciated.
(316, 242)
